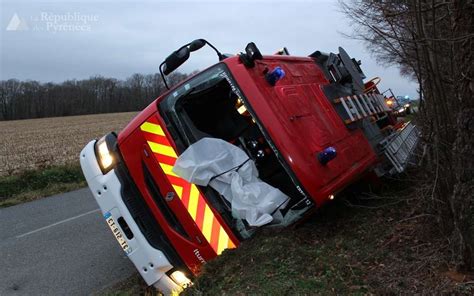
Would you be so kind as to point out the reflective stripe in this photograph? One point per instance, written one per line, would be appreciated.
(178, 190)
(230, 245)
(152, 128)
(215, 234)
(207, 224)
(168, 169)
(162, 149)
(188, 193)
(193, 201)
(223, 241)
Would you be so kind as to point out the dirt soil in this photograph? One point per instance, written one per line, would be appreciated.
(31, 144)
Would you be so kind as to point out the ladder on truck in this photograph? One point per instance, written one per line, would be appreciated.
(399, 146)
(362, 106)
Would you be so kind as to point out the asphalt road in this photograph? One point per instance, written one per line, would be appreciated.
(59, 245)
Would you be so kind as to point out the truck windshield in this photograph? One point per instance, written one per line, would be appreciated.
(208, 105)
(211, 105)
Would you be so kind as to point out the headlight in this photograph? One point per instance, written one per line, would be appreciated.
(401, 110)
(406, 105)
(105, 157)
(180, 278)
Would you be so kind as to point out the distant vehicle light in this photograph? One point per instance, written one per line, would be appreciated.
(401, 110)
(406, 105)
(331, 196)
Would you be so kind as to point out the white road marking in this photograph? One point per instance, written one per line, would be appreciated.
(57, 223)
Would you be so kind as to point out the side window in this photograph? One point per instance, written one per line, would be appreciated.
(205, 106)
(200, 82)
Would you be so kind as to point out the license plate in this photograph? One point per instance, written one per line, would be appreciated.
(117, 233)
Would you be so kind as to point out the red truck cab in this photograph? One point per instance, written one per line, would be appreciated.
(285, 112)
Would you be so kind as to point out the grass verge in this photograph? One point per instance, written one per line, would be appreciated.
(359, 244)
(329, 254)
(34, 184)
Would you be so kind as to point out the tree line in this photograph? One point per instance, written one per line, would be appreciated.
(34, 99)
(432, 42)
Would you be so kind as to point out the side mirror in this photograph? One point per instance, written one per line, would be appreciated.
(196, 44)
(176, 59)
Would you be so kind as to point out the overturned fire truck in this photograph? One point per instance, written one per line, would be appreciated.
(302, 128)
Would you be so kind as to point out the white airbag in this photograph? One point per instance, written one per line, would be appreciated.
(228, 169)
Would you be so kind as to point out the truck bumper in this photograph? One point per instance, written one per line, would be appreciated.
(150, 262)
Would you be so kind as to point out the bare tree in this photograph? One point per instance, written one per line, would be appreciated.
(431, 41)
(32, 99)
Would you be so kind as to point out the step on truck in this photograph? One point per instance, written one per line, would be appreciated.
(311, 126)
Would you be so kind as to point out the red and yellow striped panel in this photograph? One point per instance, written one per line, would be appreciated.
(188, 193)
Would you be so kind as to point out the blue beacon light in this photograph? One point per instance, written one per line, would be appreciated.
(275, 75)
(327, 155)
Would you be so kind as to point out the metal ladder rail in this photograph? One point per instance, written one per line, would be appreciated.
(341, 100)
(361, 106)
(366, 106)
(356, 99)
(399, 148)
(367, 99)
(374, 102)
(349, 99)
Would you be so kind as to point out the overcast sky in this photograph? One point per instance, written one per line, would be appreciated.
(59, 40)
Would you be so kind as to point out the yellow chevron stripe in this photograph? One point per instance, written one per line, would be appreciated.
(167, 169)
(207, 224)
(193, 202)
(162, 149)
(223, 241)
(152, 128)
(179, 190)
